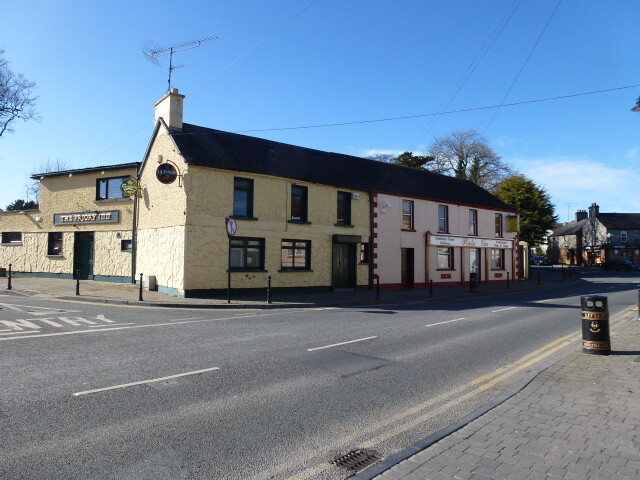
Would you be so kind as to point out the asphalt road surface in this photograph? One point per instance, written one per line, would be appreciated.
(93, 391)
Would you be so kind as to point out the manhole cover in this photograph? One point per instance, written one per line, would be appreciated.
(357, 460)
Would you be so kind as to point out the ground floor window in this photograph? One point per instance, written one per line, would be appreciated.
(364, 252)
(55, 243)
(11, 237)
(126, 245)
(497, 258)
(296, 255)
(247, 253)
(445, 258)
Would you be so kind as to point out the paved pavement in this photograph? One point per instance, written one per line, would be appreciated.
(577, 419)
(128, 293)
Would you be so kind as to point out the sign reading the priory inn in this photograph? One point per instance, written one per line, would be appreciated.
(110, 216)
(473, 242)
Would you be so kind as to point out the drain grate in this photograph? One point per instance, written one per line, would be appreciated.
(357, 460)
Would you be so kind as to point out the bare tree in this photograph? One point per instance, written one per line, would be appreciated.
(465, 154)
(57, 165)
(17, 100)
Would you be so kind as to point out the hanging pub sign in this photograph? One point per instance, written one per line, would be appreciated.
(166, 173)
(130, 187)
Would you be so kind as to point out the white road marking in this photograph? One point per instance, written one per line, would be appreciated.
(34, 310)
(341, 343)
(543, 301)
(142, 382)
(17, 333)
(442, 323)
(111, 325)
(503, 309)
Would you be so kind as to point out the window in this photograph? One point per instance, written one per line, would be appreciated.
(344, 208)
(126, 246)
(12, 237)
(110, 188)
(445, 258)
(623, 236)
(242, 197)
(473, 222)
(299, 203)
(247, 253)
(498, 224)
(296, 255)
(364, 252)
(497, 258)
(443, 218)
(55, 243)
(407, 215)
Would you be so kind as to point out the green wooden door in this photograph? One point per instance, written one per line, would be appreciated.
(83, 255)
(344, 266)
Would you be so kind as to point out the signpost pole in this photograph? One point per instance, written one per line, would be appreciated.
(232, 229)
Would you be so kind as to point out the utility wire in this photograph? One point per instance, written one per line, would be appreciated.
(406, 117)
(522, 67)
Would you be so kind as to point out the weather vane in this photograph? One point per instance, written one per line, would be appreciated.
(152, 51)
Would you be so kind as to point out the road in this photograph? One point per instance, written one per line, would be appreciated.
(113, 392)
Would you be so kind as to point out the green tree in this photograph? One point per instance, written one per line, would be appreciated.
(537, 214)
(408, 159)
(20, 204)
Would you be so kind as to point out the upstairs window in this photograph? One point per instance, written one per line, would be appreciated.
(473, 222)
(407, 214)
(443, 218)
(344, 208)
(498, 225)
(242, 197)
(55, 243)
(14, 238)
(299, 203)
(110, 188)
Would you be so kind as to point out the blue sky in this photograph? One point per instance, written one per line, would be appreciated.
(285, 63)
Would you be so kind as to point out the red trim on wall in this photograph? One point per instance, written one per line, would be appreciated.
(483, 207)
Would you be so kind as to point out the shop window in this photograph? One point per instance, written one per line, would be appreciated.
(365, 254)
(247, 253)
(443, 218)
(296, 255)
(110, 188)
(344, 208)
(623, 236)
(126, 245)
(498, 225)
(12, 238)
(445, 258)
(473, 222)
(242, 197)
(299, 199)
(55, 243)
(407, 214)
(497, 258)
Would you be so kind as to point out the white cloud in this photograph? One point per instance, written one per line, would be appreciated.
(375, 151)
(576, 183)
(632, 153)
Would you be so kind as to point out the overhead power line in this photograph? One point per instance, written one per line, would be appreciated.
(407, 117)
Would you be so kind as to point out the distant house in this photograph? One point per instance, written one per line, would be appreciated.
(594, 237)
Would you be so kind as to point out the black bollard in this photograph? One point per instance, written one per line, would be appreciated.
(538, 277)
(9, 279)
(268, 288)
(595, 325)
(508, 273)
(431, 288)
(140, 296)
(638, 302)
(377, 287)
(77, 282)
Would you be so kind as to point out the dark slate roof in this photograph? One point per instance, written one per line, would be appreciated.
(571, 228)
(207, 147)
(620, 221)
(105, 168)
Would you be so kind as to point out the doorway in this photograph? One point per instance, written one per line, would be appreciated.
(474, 265)
(407, 270)
(344, 266)
(83, 255)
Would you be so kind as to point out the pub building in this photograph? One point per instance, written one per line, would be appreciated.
(206, 207)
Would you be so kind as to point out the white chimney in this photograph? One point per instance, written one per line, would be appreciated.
(170, 108)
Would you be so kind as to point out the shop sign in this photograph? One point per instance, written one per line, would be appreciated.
(130, 187)
(473, 242)
(166, 173)
(75, 218)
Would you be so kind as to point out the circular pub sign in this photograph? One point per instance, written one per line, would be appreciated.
(166, 173)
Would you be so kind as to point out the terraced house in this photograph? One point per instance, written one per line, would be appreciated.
(207, 207)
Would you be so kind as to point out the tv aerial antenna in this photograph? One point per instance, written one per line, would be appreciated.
(152, 51)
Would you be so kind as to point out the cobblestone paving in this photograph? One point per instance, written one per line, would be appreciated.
(579, 419)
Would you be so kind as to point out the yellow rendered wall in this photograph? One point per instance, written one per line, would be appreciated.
(210, 200)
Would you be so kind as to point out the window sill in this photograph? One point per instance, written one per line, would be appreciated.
(344, 225)
(55, 256)
(445, 269)
(407, 230)
(107, 200)
(294, 270)
(442, 233)
(12, 244)
(498, 269)
(240, 269)
(240, 217)
(299, 222)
